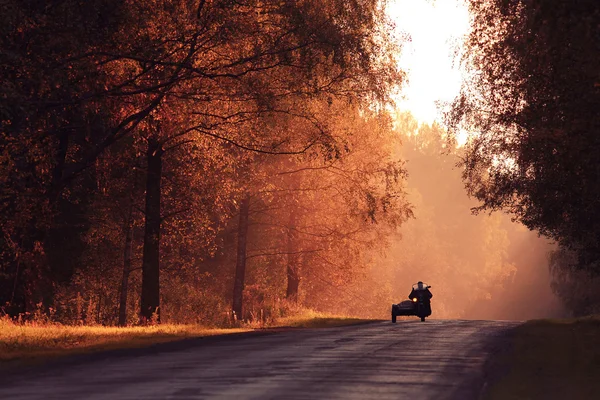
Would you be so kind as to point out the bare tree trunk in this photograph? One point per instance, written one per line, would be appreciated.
(293, 279)
(99, 308)
(150, 302)
(240, 267)
(58, 170)
(126, 267)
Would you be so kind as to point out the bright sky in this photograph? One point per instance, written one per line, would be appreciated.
(434, 29)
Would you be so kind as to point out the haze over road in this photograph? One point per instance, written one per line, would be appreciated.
(430, 360)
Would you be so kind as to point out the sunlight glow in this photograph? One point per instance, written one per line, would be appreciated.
(431, 32)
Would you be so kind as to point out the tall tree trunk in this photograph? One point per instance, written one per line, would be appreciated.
(58, 170)
(126, 267)
(99, 307)
(150, 301)
(293, 279)
(37, 277)
(240, 266)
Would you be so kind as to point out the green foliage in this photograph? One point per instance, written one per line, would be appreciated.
(531, 104)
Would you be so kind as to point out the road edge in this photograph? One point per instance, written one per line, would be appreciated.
(15, 369)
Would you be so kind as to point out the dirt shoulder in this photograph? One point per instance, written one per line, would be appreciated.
(548, 359)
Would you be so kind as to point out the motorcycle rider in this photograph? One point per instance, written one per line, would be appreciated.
(422, 293)
(421, 290)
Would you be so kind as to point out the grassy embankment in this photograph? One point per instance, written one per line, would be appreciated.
(31, 342)
(550, 359)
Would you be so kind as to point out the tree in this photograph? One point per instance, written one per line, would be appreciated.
(317, 216)
(43, 127)
(257, 45)
(171, 86)
(531, 104)
(240, 266)
(266, 59)
(79, 77)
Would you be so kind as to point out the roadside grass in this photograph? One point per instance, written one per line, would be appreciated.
(314, 319)
(32, 343)
(550, 359)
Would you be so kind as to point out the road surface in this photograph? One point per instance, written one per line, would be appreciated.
(408, 360)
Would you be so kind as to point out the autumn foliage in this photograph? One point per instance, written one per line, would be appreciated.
(219, 161)
(186, 159)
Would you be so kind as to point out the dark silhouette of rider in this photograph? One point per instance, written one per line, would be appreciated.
(421, 292)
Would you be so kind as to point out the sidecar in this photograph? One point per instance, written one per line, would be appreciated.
(406, 307)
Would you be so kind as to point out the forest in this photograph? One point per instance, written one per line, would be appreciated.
(219, 161)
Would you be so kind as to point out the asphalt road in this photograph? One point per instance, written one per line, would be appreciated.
(408, 360)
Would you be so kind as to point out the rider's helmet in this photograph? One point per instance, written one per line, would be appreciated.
(420, 285)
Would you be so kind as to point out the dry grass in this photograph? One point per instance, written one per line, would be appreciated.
(34, 341)
(550, 359)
